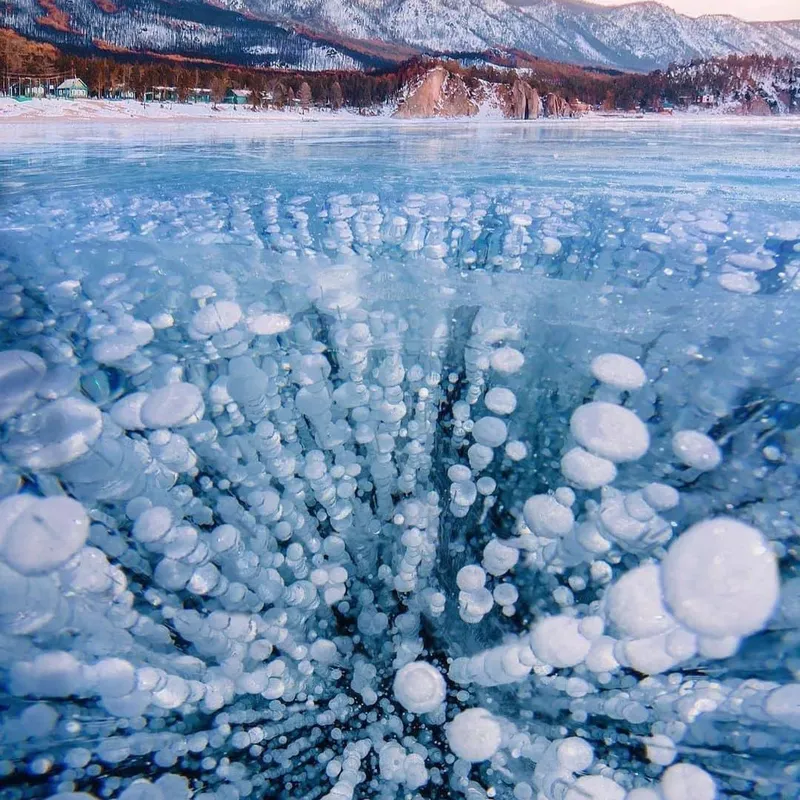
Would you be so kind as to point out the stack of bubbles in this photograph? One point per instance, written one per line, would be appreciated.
(281, 535)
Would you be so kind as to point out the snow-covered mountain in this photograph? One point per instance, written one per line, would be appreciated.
(316, 34)
(639, 36)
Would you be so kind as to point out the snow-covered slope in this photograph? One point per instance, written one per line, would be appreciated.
(638, 36)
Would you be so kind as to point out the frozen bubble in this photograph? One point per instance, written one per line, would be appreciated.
(551, 245)
(39, 535)
(783, 705)
(558, 641)
(269, 324)
(38, 720)
(52, 674)
(474, 735)
(490, 431)
(127, 411)
(499, 558)
(507, 360)
(575, 754)
(660, 750)
(618, 371)
(545, 516)
(500, 400)
(56, 434)
(419, 687)
(113, 677)
(720, 578)
(739, 282)
(596, 787)
(696, 450)
(21, 373)
(114, 348)
(174, 405)
(683, 781)
(470, 578)
(660, 497)
(635, 605)
(610, 431)
(587, 471)
(516, 450)
(216, 317)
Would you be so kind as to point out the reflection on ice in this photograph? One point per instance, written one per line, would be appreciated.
(318, 492)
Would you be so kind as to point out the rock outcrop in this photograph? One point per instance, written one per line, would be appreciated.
(557, 106)
(439, 94)
(523, 102)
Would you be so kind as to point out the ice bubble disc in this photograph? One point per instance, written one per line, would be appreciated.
(587, 471)
(114, 348)
(618, 371)
(38, 537)
(490, 431)
(545, 516)
(720, 578)
(558, 641)
(56, 434)
(216, 317)
(575, 754)
(21, 373)
(696, 450)
(419, 687)
(152, 524)
(269, 324)
(500, 400)
(684, 781)
(610, 431)
(173, 405)
(597, 787)
(474, 735)
(635, 606)
(783, 705)
(507, 360)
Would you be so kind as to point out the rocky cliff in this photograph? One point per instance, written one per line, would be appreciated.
(442, 93)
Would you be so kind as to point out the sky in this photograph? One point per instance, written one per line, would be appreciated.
(746, 9)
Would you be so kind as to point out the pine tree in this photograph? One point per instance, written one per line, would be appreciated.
(305, 95)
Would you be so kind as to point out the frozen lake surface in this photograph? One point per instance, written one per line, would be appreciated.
(422, 461)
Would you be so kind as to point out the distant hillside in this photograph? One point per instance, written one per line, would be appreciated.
(364, 34)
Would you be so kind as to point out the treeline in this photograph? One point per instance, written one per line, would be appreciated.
(737, 77)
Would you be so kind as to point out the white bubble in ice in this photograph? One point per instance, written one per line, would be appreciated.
(419, 687)
(545, 516)
(114, 348)
(516, 450)
(661, 497)
(507, 360)
(269, 324)
(474, 735)
(21, 373)
(783, 705)
(618, 371)
(558, 641)
(470, 578)
(499, 558)
(490, 431)
(683, 781)
(635, 605)
(587, 471)
(56, 434)
(595, 787)
(575, 754)
(610, 431)
(173, 405)
(696, 450)
(500, 400)
(720, 578)
(216, 317)
(39, 535)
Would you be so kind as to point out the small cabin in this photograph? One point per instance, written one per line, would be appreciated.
(162, 94)
(199, 95)
(72, 88)
(121, 92)
(237, 97)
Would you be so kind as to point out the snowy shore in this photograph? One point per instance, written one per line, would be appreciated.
(91, 110)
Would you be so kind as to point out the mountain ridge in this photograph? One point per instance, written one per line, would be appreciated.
(363, 34)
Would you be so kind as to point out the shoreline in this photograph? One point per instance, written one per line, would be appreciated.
(93, 111)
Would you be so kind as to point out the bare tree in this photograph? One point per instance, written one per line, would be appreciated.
(305, 95)
(337, 100)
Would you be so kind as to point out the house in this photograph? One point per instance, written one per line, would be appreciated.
(162, 94)
(199, 95)
(72, 88)
(237, 97)
(121, 92)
